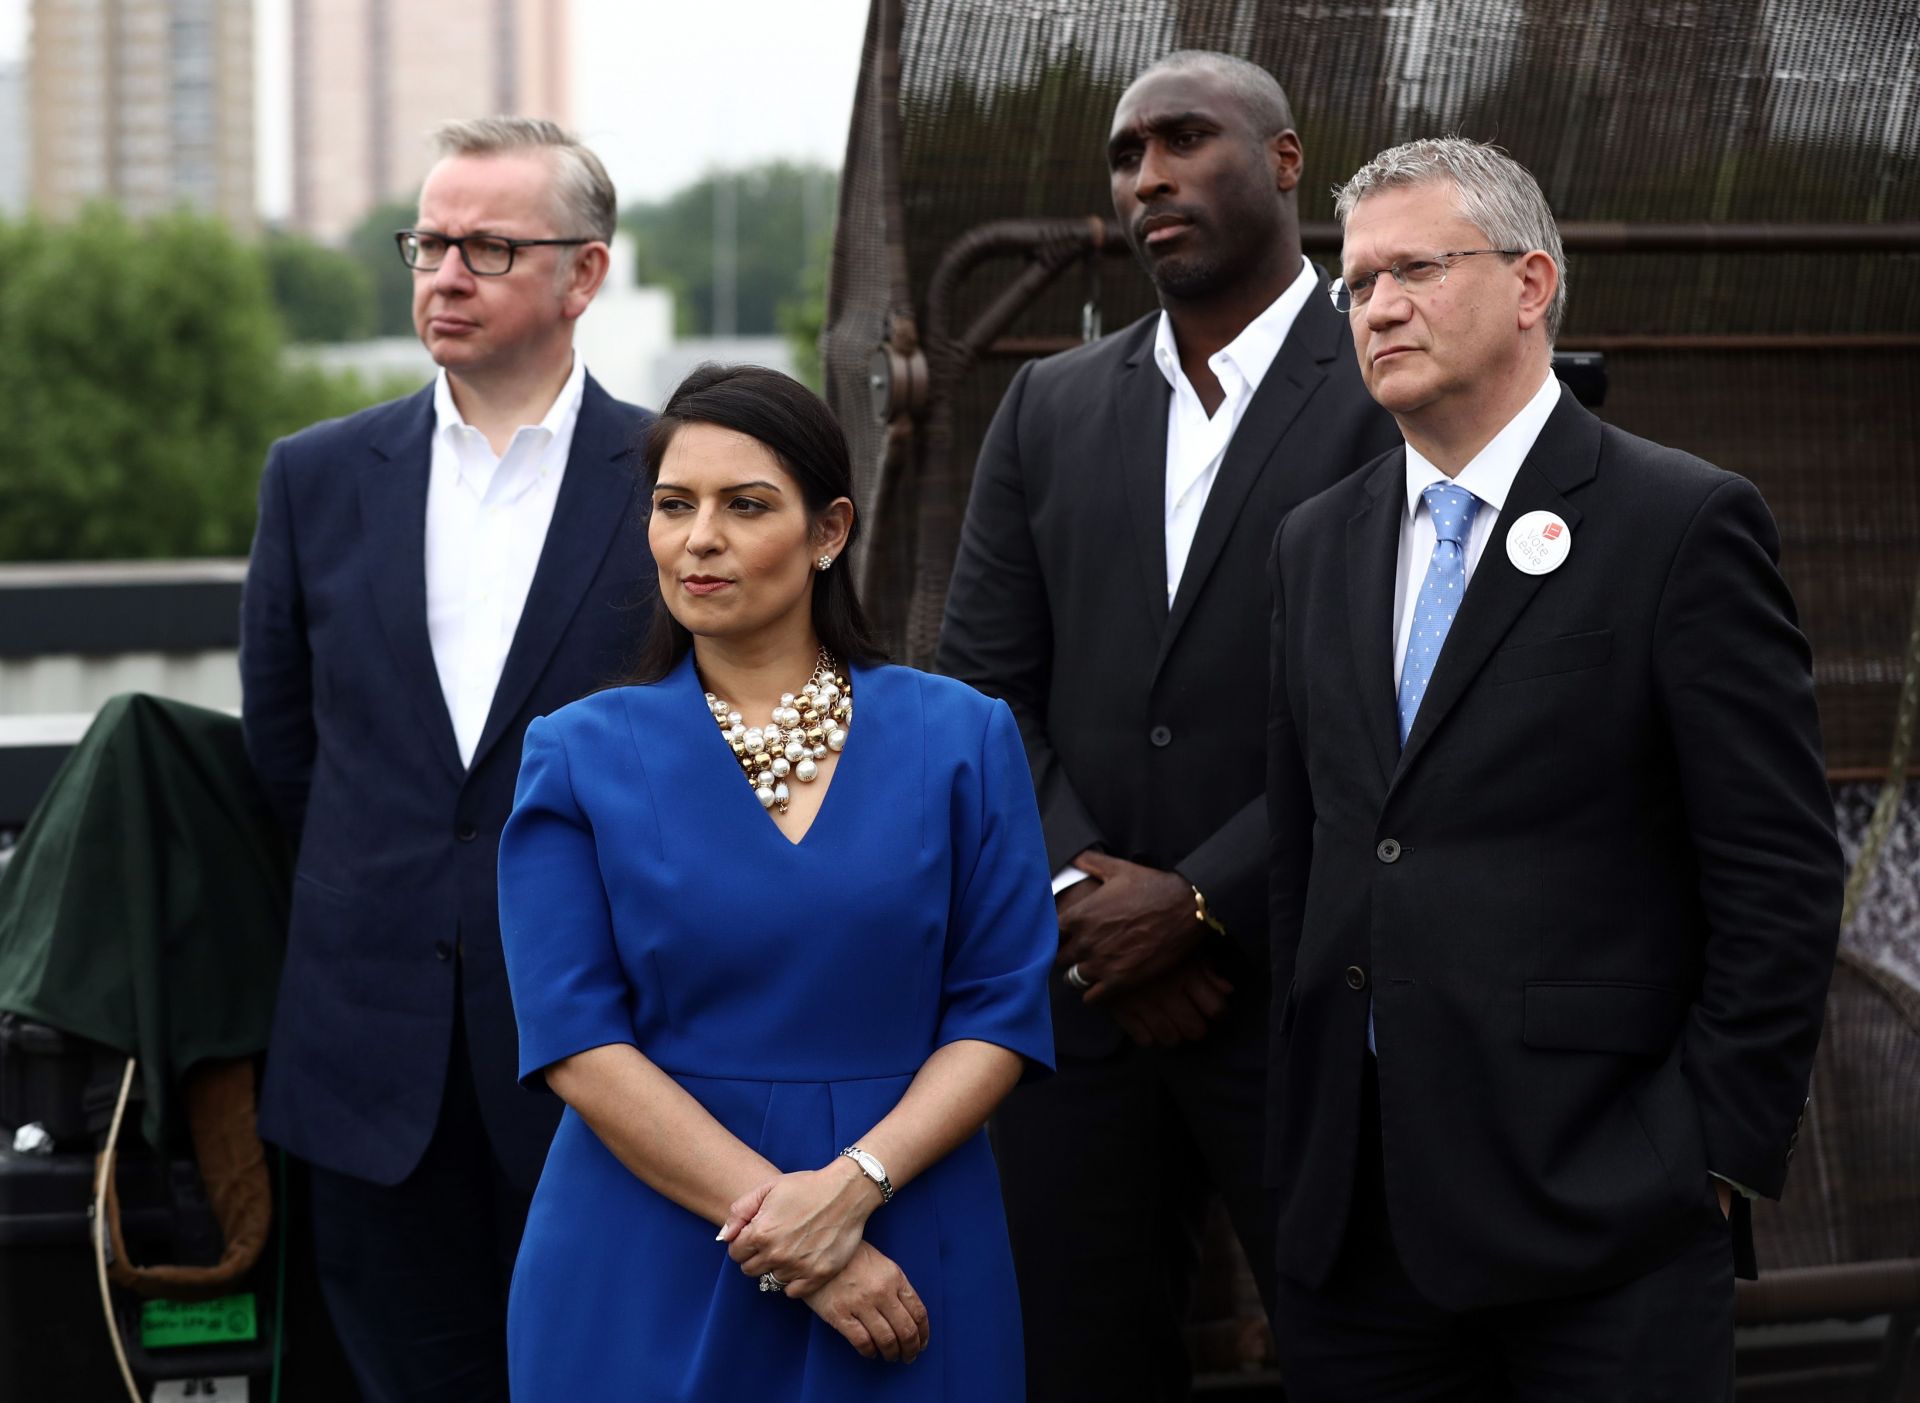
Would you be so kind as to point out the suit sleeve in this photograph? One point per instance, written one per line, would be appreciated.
(997, 634)
(1001, 932)
(1734, 677)
(276, 661)
(570, 991)
(1289, 800)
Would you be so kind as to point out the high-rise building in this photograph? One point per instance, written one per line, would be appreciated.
(372, 78)
(13, 138)
(148, 103)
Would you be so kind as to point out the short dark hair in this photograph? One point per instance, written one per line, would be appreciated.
(795, 425)
(1257, 91)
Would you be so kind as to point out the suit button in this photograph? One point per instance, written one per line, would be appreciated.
(1388, 851)
(442, 950)
(1356, 977)
(1161, 737)
(467, 833)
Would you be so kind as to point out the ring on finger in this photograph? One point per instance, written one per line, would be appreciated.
(1075, 978)
(770, 1282)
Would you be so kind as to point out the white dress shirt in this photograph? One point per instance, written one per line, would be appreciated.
(1197, 441)
(487, 520)
(1489, 476)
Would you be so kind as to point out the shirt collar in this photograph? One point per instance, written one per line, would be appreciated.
(1490, 473)
(559, 416)
(1251, 353)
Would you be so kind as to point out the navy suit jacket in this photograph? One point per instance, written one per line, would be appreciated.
(1593, 900)
(347, 728)
(1142, 717)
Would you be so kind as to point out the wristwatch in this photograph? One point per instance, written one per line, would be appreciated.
(873, 1169)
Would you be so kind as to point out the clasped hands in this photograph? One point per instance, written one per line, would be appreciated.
(808, 1230)
(1132, 931)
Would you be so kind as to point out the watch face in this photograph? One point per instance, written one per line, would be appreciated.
(869, 1166)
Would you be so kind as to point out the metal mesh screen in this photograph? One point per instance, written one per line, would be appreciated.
(1720, 111)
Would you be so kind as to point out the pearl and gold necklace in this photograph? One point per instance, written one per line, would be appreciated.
(803, 729)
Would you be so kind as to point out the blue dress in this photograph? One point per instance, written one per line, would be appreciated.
(794, 990)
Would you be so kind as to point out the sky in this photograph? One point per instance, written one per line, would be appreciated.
(663, 90)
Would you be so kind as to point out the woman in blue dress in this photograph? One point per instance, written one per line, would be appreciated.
(778, 926)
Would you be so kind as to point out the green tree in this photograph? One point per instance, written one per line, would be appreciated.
(141, 370)
(371, 245)
(322, 293)
(782, 215)
(804, 318)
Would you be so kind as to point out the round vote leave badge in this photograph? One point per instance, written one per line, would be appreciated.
(1538, 543)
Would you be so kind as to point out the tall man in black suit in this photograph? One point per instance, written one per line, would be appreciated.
(1555, 888)
(1109, 586)
(427, 576)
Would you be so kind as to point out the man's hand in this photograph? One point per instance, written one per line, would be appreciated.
(1175, 1008)
(1136, 924)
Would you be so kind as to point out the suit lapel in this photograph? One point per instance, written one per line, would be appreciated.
(1141, 404)
(596, 499)
(393, 524)
(1297, 370)
(1373, 546)
(1564, 456)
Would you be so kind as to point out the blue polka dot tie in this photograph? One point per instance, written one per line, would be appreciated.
(1452, 509)
(1440, 593)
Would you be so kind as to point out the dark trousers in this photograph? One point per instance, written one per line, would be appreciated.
(415, 1274)
(1107, 1168)
(1368, 1336)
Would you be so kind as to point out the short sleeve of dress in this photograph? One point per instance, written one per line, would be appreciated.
(1002, 934)
(570, 992)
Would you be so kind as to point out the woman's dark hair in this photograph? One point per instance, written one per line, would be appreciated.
(797, 427)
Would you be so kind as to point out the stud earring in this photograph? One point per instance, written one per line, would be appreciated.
(825, 562)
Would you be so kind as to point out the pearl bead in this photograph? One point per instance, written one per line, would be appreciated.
(806, 770)
(781, 795)
(781, 766)
(796, 751)
(733, 718)
(836, 738)
(786, 699)
(755, 741)
(766, 796)
(772, 734)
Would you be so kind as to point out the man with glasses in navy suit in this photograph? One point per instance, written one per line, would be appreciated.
(426, 577)
(1553, 877)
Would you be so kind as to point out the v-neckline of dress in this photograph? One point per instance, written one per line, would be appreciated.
(830, 780)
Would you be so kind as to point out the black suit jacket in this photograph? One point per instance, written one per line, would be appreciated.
(1595, 898)
(1142, 722)
(347, 727)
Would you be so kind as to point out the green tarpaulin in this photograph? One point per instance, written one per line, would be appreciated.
(146, 905)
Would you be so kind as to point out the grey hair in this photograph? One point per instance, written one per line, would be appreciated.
(1491, 191)
(1258, 92)
(581, 186)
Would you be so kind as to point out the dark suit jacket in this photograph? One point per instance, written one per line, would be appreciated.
(347, 728)
(1143, 724)
(1595, 898)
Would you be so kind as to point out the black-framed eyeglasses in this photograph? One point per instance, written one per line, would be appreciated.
(1416, 275)
(486, 255)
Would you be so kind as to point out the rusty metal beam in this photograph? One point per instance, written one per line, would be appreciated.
(1618, 236)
